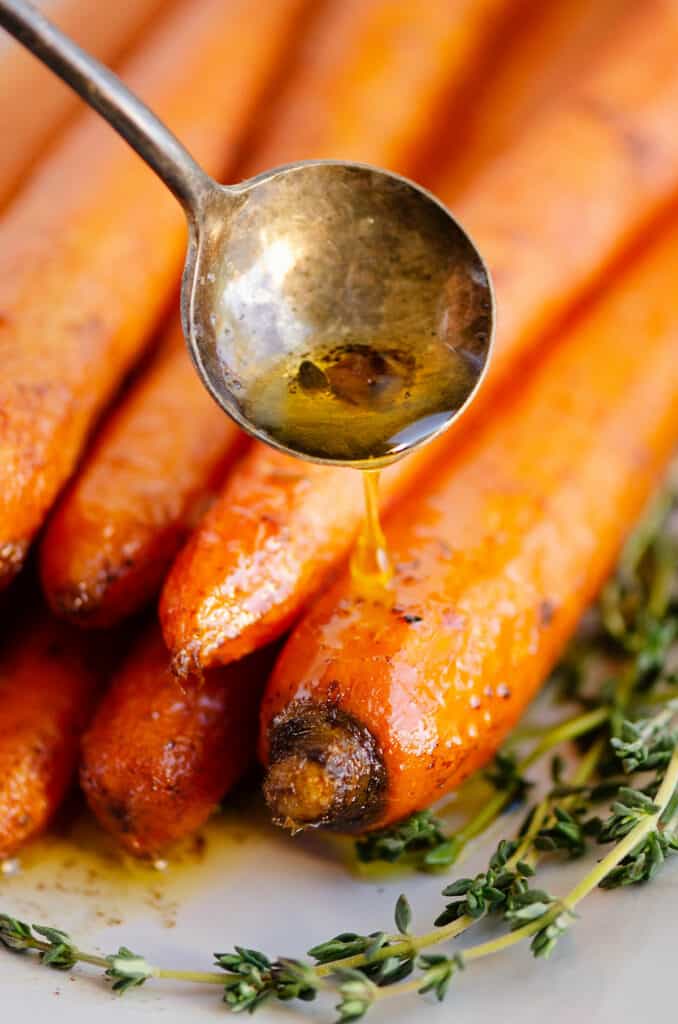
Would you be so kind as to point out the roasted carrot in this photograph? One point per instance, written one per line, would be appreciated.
(550, 215)
(377, 708)
(143, 485)
(157, 758)
(124, 517)
(91, 249)
(33, 103)
(49, 680)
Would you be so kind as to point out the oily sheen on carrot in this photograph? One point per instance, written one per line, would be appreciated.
(91, 249)
(550, 215)
(123, 519)
(48, 684)
(33, 103)
(375, 709)
(146, 480)
(157, 759)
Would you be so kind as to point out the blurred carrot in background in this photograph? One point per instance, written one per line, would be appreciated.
(376, 75)
(549, 47)
(91, 249)
(371, 77)
(34, 104)
(376, 709)
(550, 215)
(157, 759)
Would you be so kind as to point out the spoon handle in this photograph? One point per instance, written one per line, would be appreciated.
(104, 91)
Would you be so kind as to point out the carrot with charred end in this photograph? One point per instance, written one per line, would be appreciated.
(550, 216)
(146, 480)
(376, 709)
(375, 73)
(158, 758)
(33, 103)
(116, 528)
(49, 680)
(91, 249)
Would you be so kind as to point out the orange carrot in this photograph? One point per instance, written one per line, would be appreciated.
(92, 247)
(550, 46)
(48, 683)
(157, 758)
(143, 485)
(550, 215)
(33, 103)
(373, 74)
(376, 709)
(118, 526)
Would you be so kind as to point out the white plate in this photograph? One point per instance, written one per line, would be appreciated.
(255, 887)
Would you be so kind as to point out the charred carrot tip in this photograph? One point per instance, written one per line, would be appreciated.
(325, 770)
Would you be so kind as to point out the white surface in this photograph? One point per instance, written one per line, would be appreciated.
(255, 887)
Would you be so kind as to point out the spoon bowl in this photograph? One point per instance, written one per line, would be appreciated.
(336, 311)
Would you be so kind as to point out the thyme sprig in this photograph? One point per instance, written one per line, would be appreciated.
(422, 831)
(629, 762)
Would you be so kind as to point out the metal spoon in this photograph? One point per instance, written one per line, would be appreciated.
(336, 311)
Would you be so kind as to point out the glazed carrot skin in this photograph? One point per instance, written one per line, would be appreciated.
(49, 681)
(33, 103)
(147, 479)
(91, 250)
(550, 216)
(158, 758)
(375, 709)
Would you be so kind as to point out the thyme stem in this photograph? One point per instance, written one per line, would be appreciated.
(571, 900)
(198, 977)
(570, 729)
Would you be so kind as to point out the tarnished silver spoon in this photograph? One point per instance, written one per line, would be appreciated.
(336, 311)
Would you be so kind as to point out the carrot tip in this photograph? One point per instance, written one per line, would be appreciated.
(12, 556)
(325, 770)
